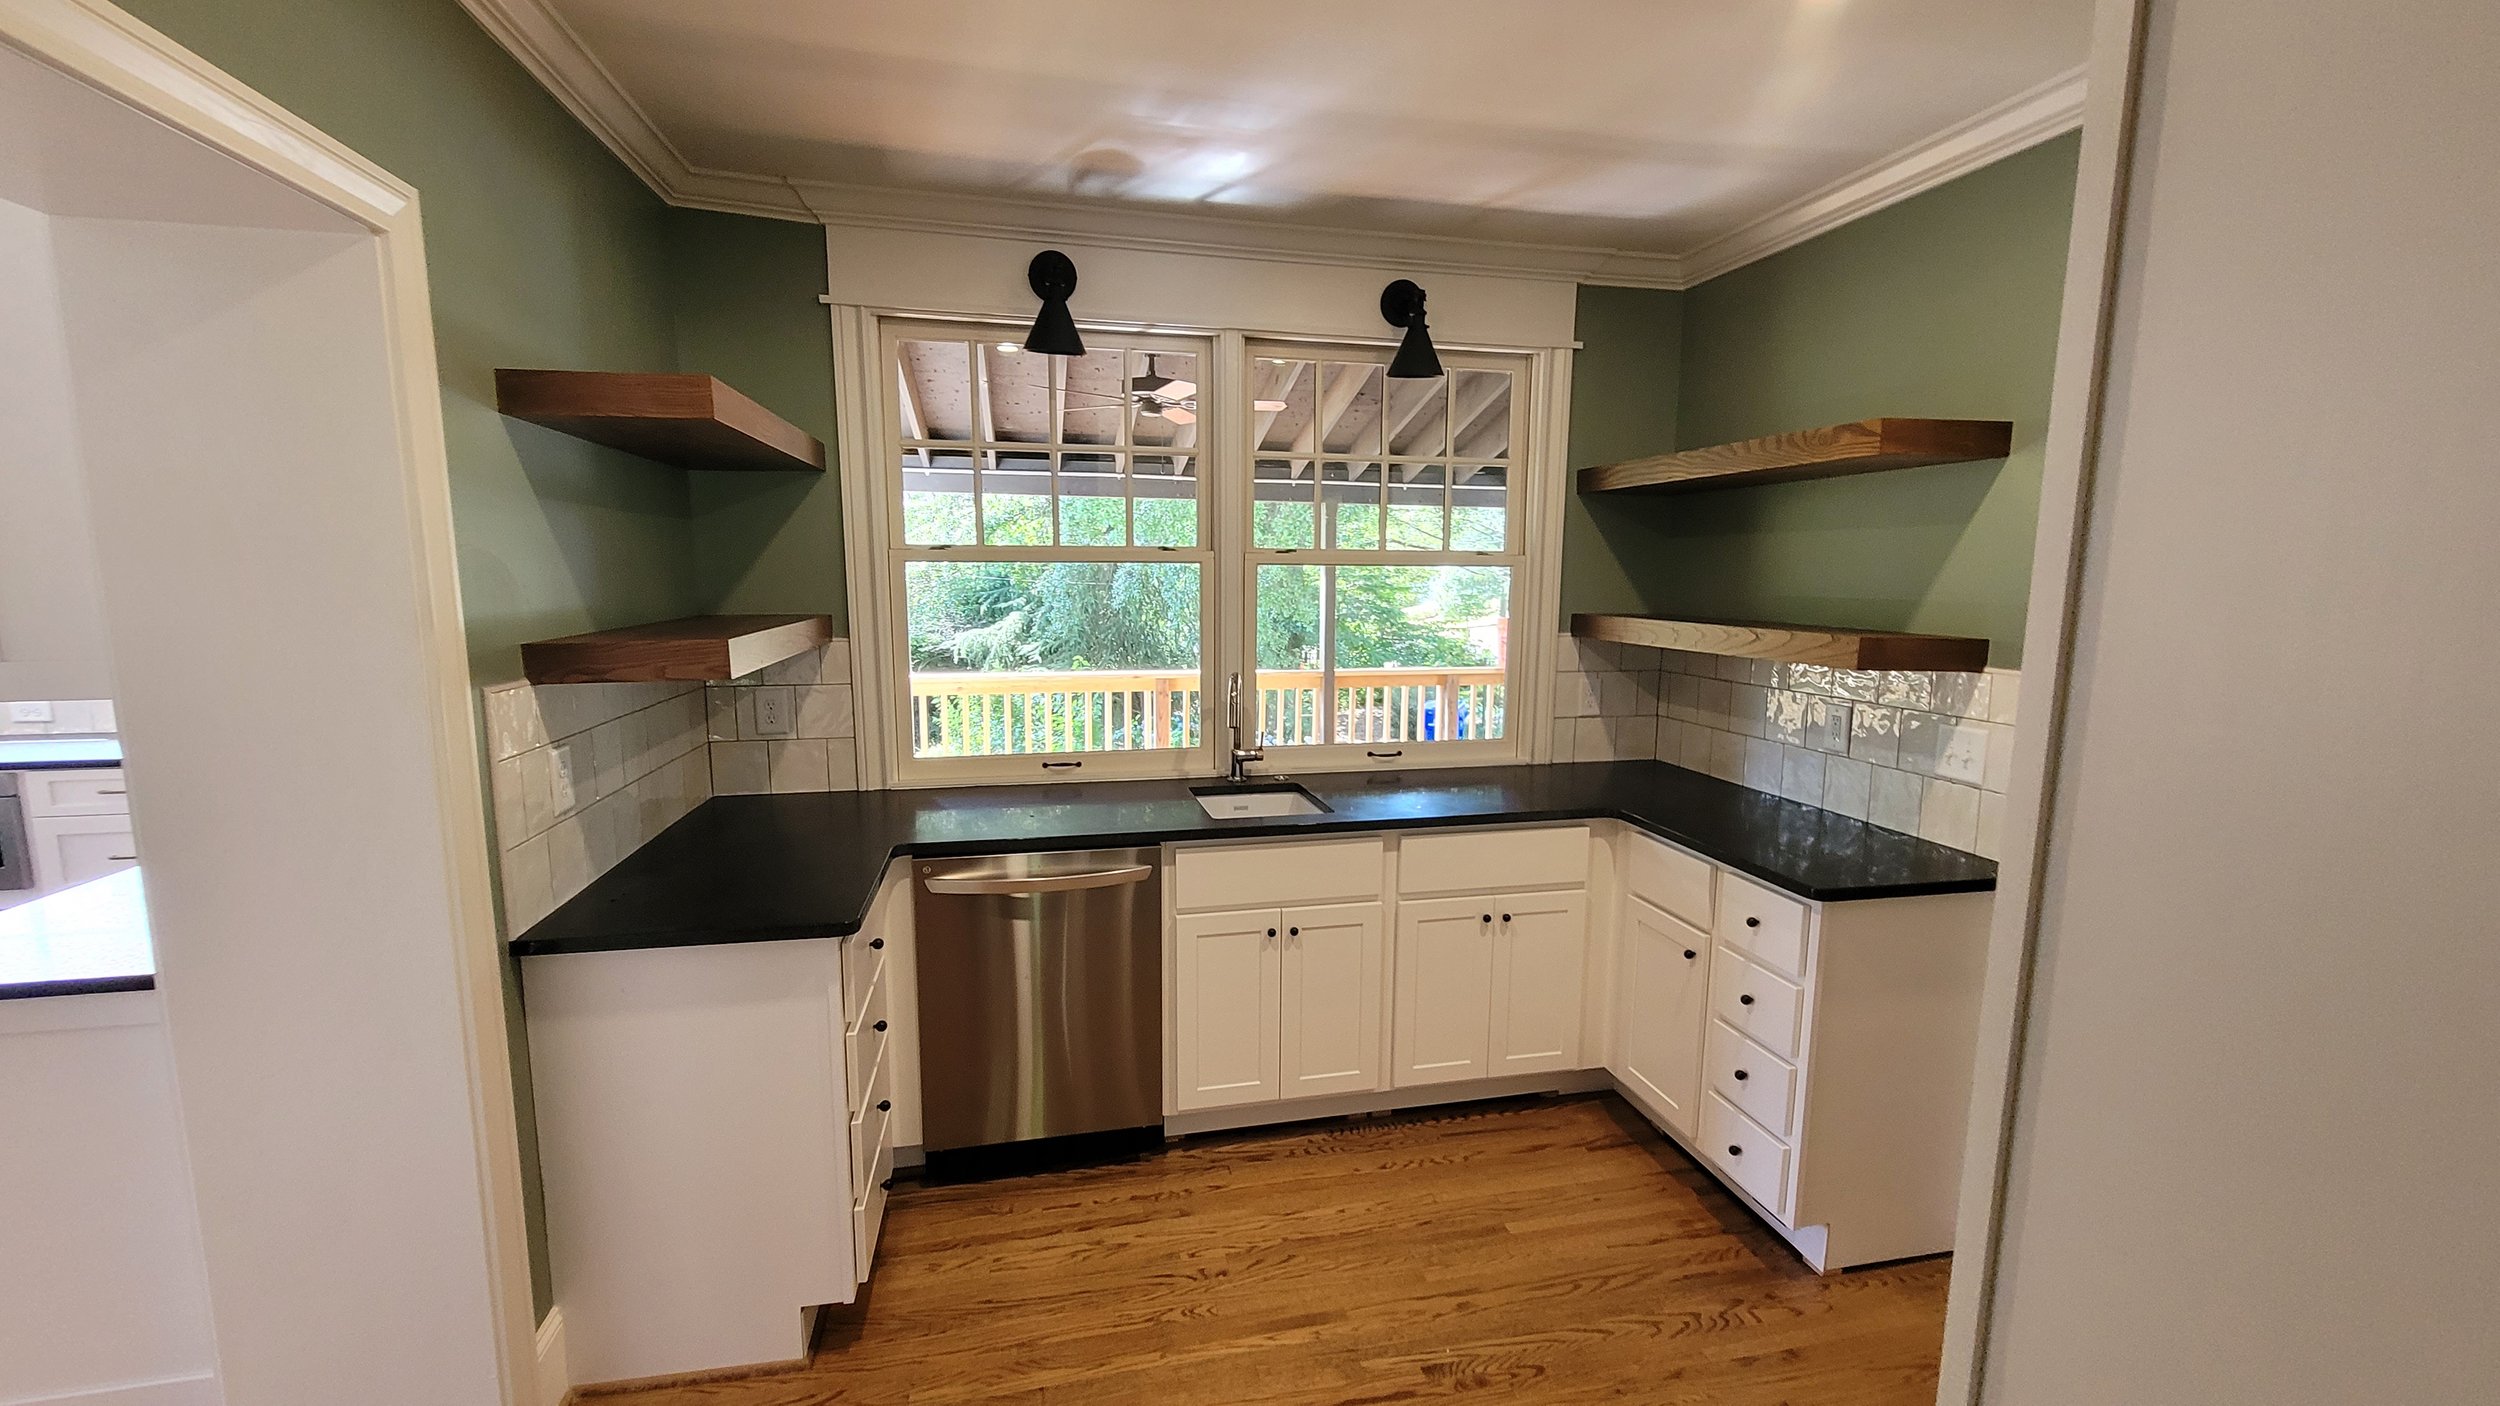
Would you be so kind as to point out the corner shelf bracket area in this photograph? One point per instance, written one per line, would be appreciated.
(1834, 451)
(699, 648)
(1791, 644)
(688, 420)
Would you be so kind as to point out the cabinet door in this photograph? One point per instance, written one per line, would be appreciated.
(71, 849)
(1539, 947)
(1665, 1008)
(1331, 1028)
(1445, 989)
(1227, 974)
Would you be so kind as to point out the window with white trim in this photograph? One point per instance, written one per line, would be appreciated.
(1079, 551)
(1383, 552)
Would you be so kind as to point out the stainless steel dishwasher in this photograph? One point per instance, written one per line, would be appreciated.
(1041, 997)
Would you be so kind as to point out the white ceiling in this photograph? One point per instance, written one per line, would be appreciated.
(1651, 127)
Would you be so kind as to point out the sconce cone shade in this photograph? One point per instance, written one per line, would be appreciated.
(1402, 305)
(1052, 277)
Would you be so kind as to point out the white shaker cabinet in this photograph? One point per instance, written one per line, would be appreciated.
(1664, 998)
(1540, 941)
(1276, 1003)
(1444, 990)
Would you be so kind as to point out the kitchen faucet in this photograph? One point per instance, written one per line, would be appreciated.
(1242, 756)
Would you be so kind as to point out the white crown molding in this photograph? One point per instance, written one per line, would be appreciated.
(2024, 120)
(554, 54)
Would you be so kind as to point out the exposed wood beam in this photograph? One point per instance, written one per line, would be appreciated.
(1274, 383)
(1472, 422)
(915, 414)
(1391, 429)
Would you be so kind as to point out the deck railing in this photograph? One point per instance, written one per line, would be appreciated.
(1102, 710)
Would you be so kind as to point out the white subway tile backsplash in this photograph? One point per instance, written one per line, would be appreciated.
(1801, 775)
(1590, 742)
(1991, 839)
(798, 765)
(1575, 695)
(1848, 787)
(1896, 800)
(1784, 718)
(1727, 755)
(1566, 731)
(586, 774)
(1949, 814)
(1875, 735)
(741, 769)
(842, 764)
(824, 710)
(1766, 764)
(1999, 774)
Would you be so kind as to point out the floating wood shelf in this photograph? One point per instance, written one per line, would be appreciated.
(691, 421)
(699, 647)
(1795, 644)
(1859, 447)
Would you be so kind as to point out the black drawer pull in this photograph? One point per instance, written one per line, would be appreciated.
(1293, 932)
(1744, 1000)
(1690, 954)
(1741, 1075)
(876, 944)
(1753, 922)
(1734, 1151)
(1271, 932)
(879, 1027)
(885, 1105)
(1505, 917)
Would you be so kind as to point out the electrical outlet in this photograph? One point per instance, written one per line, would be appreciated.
(773, 710)
(570, 774)
(30, 712)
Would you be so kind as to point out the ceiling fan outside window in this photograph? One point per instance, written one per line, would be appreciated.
(1165, 396)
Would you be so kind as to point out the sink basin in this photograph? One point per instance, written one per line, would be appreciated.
(1247, 802)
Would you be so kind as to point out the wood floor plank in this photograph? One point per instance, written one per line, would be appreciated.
(1550, 1250)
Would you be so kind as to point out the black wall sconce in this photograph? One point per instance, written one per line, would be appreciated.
(1052, 277)
(1402, 304)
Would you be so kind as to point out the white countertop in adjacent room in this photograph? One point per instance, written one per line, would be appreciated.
(28, 753)
(86, 939)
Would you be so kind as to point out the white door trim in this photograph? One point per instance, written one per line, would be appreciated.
(2072, 448)
(113, 53)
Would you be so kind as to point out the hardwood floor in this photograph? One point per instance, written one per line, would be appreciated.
(1536, 1250)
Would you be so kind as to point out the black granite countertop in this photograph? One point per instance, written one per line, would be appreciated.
(761, 868)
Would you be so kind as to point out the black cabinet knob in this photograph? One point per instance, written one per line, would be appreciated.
(1744, 1000)
(1734, 1151)
(879, 1027)
(1753, 922)
(1293, 932)
(876, 944)
(1505, 917)
(885, 1105)
(1690, 954)
(886, 1185)
(1741, 1076)
(1271, 932)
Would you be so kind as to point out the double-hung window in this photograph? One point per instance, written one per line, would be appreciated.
(1077, 554)
(1384, 554)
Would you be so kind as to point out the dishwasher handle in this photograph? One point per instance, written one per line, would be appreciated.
(1022, 885)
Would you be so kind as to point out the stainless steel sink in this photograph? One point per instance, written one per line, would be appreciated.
(1248, 802)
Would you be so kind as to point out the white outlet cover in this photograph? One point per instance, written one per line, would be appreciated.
(30, 712)
(773, 708)
(571, 760)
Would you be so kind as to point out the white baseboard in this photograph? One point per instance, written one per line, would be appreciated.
(555, 1373)
(198, 1390)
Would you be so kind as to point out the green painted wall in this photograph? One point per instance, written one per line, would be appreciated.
(542, 250)
(1943, 305)
(1625, 382)
(748, 300)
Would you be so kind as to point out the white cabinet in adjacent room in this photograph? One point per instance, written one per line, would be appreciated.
(1664, 1005)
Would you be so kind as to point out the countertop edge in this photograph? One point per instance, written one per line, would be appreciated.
(83, 986)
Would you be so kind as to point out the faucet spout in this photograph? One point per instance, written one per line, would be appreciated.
(1241, 756)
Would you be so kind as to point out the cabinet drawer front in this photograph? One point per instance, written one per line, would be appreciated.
(1757, 1081)
(1669, 878)
(1482, 861)
(865, 1060)
(1768, 1009)
(48, 793)
(863, 961)
(868, 1210)
(872, 1113)
(1747, 1154)
(868, 1011)
(1266, 876)
(1763, 925)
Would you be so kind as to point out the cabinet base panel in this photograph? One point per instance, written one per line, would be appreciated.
(1812, 1243)
(1254, 1115)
